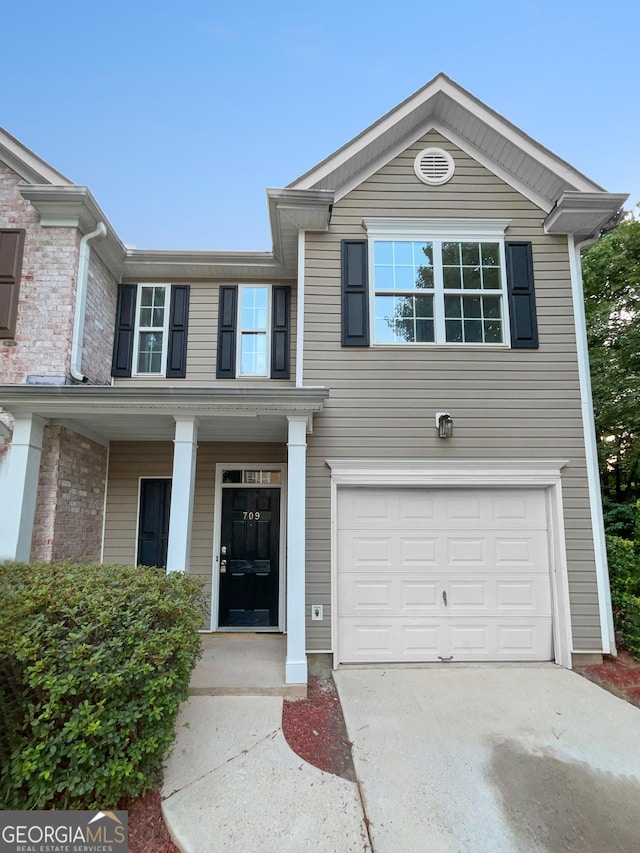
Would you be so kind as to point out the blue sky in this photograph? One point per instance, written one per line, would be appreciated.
(178, 115)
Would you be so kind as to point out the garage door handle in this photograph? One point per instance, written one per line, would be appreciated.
(444, 598)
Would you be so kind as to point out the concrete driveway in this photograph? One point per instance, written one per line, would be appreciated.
(493, 758)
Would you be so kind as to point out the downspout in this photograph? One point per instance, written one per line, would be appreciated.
(300, 314)
(81, 302)
(591, 449)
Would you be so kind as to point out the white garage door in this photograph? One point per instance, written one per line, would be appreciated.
(430, 574)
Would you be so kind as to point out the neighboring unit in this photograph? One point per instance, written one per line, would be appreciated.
(377, 437)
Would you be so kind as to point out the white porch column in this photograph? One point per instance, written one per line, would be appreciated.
(182, 489)
(21, 470)
(296, 664)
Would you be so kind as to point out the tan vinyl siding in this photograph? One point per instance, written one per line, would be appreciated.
(202, 342)
(506, 404)
(129, 461)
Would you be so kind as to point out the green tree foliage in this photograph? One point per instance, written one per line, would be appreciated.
(611, 273)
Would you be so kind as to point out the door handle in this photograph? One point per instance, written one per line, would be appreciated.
(223, 550)
(223, 566)
(444, 597)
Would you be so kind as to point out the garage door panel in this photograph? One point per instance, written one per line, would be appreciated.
(386, 594)
(392, 640)
(429, 573)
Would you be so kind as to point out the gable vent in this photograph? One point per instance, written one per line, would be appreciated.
(434, 166)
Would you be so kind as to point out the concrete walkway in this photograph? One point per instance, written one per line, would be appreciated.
(233, 785)
(486, 759)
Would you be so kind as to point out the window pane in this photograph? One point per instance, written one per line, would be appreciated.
(145, 316)
(451, 253)
(232, 476)
(470, 254)
(424, 306)
(150, 352)
(404, 314)
(471, 277)
(451, 277)
(403, 254)
(253, 354)
(424, 331)
(452, 307)
(254, 308)
(424, 253)
(473, 331)
(490, 254)
(404, 278)
(424, 278)
(384, 320)
(491, 307)
(383, 252)
(384, 278)
(471, 307)
(147, 296)
(158, 317)
(454, 331)
(491, 278)
(492, 332)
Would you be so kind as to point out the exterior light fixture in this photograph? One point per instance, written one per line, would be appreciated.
(444, 424)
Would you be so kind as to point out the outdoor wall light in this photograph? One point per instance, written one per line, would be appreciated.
(444, 424)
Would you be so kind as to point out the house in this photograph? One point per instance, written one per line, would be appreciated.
(377, 437)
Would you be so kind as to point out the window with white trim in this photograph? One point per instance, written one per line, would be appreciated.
(434, 287)
(152, 320)
(254, 310)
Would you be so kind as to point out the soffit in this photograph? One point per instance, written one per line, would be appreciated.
(443, 105)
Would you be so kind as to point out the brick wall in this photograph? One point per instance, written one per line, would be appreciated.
(47, 291)
(70, 502)
(100, 314)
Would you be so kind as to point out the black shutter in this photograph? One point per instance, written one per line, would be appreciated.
(125, 330)
(280, 332)
(355, 294)
(178, 325)
(11, 250)
(227, 317)
(522, 299)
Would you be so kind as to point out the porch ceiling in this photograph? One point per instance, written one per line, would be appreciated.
(107, 414)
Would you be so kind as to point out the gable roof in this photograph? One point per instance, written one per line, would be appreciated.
(478, 130)
(28, 165)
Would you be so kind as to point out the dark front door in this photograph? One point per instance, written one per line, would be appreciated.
(249, 545)
(153, 530)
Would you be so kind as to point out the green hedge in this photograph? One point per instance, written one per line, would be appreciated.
(94, 662)
(624, 571)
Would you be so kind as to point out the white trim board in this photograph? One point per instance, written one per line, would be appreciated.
(416, 473)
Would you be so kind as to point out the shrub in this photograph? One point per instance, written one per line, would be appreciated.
(94, 662)
(624, 572)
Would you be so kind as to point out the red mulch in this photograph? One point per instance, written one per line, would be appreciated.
(147, 831)
(619, 675)
(315, 730)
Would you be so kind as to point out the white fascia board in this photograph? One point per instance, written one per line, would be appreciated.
(28, 165)
(444, 85)
(463, 229)
(75, 207)
(591, 452)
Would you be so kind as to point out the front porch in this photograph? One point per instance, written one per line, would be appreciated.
(182, 436)
(243, 665)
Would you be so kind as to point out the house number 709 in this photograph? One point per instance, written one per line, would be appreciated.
(251, 516)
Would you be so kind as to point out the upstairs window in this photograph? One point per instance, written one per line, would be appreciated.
(439, 289)
(152, 316)
(253, 325)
